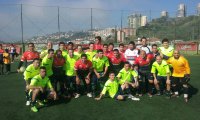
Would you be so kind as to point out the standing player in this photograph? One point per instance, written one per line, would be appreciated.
(166, 51)
(70, 73)
(98, 44)
(83, 70)
(91, 52)
(1, 59)
(162, 77)
(105, 50)
(121, 49)
(47, 62)
(45, 52)
(180, 74)
(28, 56)
(31, 71)
(63, 49)
(79, 51)
(144, 45)
(40, 87)
(113, 88)
(100, 65)
(7, 61)
(131, 53)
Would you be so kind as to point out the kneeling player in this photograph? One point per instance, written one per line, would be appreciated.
(113, 88)
(163, 74)
(38, 88)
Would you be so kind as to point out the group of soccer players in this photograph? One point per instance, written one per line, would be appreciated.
(123, 72)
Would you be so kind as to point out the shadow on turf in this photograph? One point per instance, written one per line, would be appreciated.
(192, 91)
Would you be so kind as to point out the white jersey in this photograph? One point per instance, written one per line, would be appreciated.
(144, 48)
(131, 55)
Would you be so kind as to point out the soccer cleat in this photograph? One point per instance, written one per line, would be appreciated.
(34, 109)
(89, 95)
(40, 103)
(135, 99)
(186, 100)
(174, 95)
(28, 103)
(150, 95)
(77, 95)
(130, 96)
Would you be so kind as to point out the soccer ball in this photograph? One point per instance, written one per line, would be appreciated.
(22, 69)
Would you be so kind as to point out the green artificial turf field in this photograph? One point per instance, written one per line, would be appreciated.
(12, 104)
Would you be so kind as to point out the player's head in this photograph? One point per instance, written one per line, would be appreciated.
(71, 52)
(79, 48)
(31, 46)
(131, 45)
(83, 58)
(105, 47)
(49, 45)
(154, 48)
(91, 46)
(176, 54)
(110, 46)
(51, 53)
(70, 45)
(143, 54)
(165, 43)
(42, 71)
(98, 40)
(58, 53)
(6, 50)
(127, 65)
(135, 67)
(36, 62)
(100, 53)
(61, 45)
(111, 75)
(143, 41)
(121, 47)
(159, 59)
(116, 52)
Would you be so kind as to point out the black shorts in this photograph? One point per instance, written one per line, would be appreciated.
(179, 80)
(145, 76)
(162, 79)
(119, 92)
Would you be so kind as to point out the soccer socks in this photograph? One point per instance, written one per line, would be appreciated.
(150, 88)
(88, 87)
(27, 96)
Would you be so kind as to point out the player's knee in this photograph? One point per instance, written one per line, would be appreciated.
(120, 97)
(185, 86)
(151, 81)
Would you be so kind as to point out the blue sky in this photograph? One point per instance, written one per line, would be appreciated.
(106, 13)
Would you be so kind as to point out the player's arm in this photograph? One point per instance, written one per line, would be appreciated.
(100, 96)
(168, 73)
(153, 71)
(106, 67)
(187, 67)
(49, 85)
(105, 88)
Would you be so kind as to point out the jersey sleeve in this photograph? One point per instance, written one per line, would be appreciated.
(105, 88)
(27, 73)
(134, 74)
(33, 81)
(49, 85)
(167, 68)
(107, 62)
(153, 68)
(23, 58)
(119, 75)
(76, 65)
(187, 67)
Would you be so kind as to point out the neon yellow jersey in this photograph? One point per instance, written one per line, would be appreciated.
(90, 54)
(78, 54)
(70, 65)
(48, 62)
(111, 87)
(30, 72)
(168, 52)
(100, 63)
(161, 69)
(64, 54)
(43, 53)
(126, 76)
(38, 81)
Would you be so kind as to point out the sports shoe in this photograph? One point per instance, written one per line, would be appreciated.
(150, 95)
(174, 95)
(77, 95)
(186, 100)
(135, 99)
(89, 95)
(28, 103)
(40, 103)
(130, 96)
(34, 109)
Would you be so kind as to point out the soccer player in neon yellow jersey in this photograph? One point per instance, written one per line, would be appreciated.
(70, 72)
(38, 88)
(91, 52)
(47, 62)
(112, 87)
(100, 65)
(163, 75)
(63, 49)
(128, 78)
(166, 51)
(79, 51)
(45, 52)
(31, 71)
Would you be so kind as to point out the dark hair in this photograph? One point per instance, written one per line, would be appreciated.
(83, 55)
(50, 50)
(70, 43)
(61, 43)
(154, 45)
(91, 43)
(42, 67)
(98, 38)
(7, 51)
(79, 45)
(100, 50)
(165, 40)
(30, 44)
(116, 50)
(143, 38)
(111, 44)
(121, 44)
(71, 49)
(111, 72)
(132, 42)
(58, 51)
(126, 63)
(105, 45)
(36, 59)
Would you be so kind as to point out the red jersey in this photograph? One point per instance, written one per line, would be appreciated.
(1, 51)
(122, 53)
(116, 61)
(58, 62)
(98, 46)
(29, 56)
(79, 65)
(144, 63)
(107, 53)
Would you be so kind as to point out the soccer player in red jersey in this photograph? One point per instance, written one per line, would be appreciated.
(121, 49)
(58, 72)
(98, 44)
(1, 59)
(116, 61)
(105, 50)
(83, 70)
(28, 56)
(143, 62)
